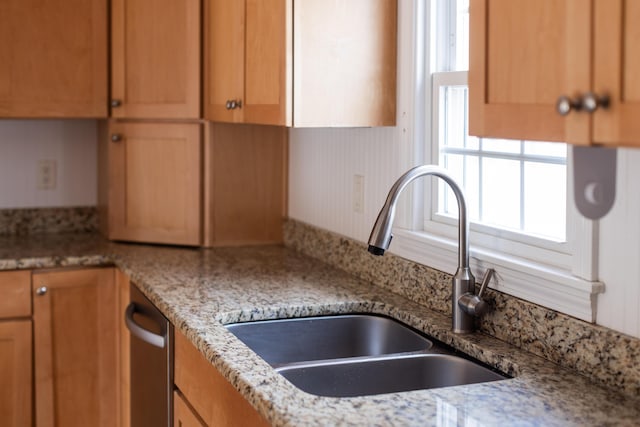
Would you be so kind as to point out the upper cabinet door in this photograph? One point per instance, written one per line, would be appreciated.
(155, 59)
(524, 55)
(53, 57)
(224, 60)
(616, 70)
(268, 60)
(344, 63)
(340, 56)
(155, 182)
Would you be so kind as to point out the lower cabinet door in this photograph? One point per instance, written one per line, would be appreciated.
(15, 373)
(208, 392)
(183, 415)
(75, 340)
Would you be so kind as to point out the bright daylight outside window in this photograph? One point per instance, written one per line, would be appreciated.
(515, 190)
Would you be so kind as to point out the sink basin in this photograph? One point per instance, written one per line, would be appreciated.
(288, 341)
(369, 377)
(358, 355)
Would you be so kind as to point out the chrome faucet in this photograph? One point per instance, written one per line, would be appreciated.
(465, 303)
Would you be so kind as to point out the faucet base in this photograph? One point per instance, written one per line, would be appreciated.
(463, 283)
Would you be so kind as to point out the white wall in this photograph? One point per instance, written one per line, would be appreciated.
(71, 143)
(324, 161)
(619, 254)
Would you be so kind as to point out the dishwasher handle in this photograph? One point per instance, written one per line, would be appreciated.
(140, 332)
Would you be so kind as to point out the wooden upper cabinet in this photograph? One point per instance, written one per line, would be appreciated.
(155, 59)
(224, 59)
(54, 58)
(616, 68)
(154, 182)
(305, 63)
(525, 55)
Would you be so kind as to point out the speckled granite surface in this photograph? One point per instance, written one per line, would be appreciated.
(200, 290)
(605, 356)
(21, 222)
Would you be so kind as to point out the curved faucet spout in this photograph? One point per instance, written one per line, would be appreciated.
(380, 237)
(465, 304)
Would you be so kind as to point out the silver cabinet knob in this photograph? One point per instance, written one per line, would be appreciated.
(116, 137)
(591, 102)
(41, 290)
(588, 102)
(232, 104)
(115, 103)
(564, 105)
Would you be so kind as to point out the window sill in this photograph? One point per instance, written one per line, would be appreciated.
(534, 282)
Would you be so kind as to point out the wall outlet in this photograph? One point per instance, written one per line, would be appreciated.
(358, 194)
(47, 171)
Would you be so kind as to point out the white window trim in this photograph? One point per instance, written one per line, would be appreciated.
(570, 286)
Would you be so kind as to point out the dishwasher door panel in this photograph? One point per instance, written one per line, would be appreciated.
(151, 363)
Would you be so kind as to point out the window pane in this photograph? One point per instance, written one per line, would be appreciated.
(455, 122)
(501, 145)
(545, 200)
(554, 149)
(501, 193)
(462, 35)
(465, 170)
(455, 165)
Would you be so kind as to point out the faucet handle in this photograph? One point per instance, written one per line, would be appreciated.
(474, 304)
(486, 279)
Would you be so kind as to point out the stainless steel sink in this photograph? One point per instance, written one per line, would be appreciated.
(358, 355)
(403, 373)
(288, 341)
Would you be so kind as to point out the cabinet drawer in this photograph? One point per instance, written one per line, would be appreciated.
(208, 392)
(15, 294)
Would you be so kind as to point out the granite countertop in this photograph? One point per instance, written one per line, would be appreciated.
(199, 290)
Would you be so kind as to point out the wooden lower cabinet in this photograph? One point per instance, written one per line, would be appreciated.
(124, 375)
(75, 342)
(15, 373)
(183, 415)
(211, 396)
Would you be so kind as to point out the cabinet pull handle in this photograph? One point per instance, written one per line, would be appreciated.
(591, 102)
(115, 103)
(41, 291)
(116, 137)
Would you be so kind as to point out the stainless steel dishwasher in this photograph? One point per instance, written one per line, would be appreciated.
(151, 362)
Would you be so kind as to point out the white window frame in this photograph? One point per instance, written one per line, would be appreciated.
(563, 277)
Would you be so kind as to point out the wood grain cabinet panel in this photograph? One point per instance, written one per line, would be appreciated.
(16, 376)
(155, 182)
(75, 348)
(16, 372)
(212, 397)
(15, 294)
(340, 54)
(524, 55)
(155, 56)
(54, 57)
(183, 415)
